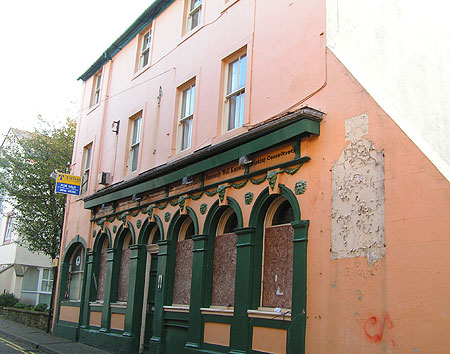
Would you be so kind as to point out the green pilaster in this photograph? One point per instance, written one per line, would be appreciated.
(89, 289)
(240, 337)
(161, 297)
(199, 261)
(135, 293)
(296, 337)
(64, 273)
(110, 288)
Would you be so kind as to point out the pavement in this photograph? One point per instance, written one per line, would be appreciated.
(43, 341)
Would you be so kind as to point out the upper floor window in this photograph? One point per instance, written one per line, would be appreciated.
(146, 40)
(86, 167)
(8, 229)
(235, 92)
(96, 88)
(135, 141)
(194, 13)
(186, 117)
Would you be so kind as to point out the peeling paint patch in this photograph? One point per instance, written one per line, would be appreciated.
(357, 216)
(356, 127)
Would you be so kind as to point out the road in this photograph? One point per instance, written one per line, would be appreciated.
(11, 346)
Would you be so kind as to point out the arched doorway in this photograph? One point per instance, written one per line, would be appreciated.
(152, 235)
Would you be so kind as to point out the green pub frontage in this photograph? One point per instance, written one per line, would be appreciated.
(206, 254)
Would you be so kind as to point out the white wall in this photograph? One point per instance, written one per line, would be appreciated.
(399, 50)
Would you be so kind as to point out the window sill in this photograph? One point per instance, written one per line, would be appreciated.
(96, 304)
(284, 315)
(189, 34)
(222, 311)
(93, 108)
(229, 134)
(73, 303)
(177, 308)
(180, 154)
(119, 305)
(140, 71)
(228, 5)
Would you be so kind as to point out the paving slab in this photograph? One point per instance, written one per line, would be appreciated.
(43, 341)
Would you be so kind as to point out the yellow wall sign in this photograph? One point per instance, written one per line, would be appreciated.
(68, 184)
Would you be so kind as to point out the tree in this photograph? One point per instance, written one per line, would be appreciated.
(26, 161)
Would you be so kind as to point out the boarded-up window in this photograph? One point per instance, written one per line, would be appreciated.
(124, 272)
(102, 270)
(278, 262)
(224, 270)
(183, 264)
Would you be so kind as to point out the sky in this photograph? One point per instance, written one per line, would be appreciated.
(45, 46)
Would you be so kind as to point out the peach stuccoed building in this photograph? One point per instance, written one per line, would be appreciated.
(262, 177)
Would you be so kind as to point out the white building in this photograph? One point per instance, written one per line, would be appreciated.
(28, 275)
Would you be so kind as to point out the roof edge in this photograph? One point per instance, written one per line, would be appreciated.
(135, 28)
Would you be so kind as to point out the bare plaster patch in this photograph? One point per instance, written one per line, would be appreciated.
(356, 127)
(357, 218)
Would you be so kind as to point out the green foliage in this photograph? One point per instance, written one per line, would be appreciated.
(40, 308)
(22, 306)
(8, 300)
(26, 161)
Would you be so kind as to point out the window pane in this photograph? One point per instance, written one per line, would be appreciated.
(87, 162)
(75, 286)
(195, 19)
(46, 286)
(77, 260)
(191, 106)
(186, 129)
(242, 70)
(9, 224)
(233, 74)
(241, 112)
(145, 58)
(134, 158)
(44, 299)
(99, 81)
(30, 279)
(28, 298)
(195, 3)
(84, 182)
(232, 111)
(185, 103)
(146, 41)
(137, 125)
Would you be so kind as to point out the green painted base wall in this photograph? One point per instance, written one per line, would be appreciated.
(65, 331)
(111, 342)
(174, 340)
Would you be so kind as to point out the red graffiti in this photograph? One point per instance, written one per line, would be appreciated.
(374, 328)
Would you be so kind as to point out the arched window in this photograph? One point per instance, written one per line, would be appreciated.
(224, 265)
(183, 263)
(75, 276)
(124, 270)
(278, 255)
(101, 276)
